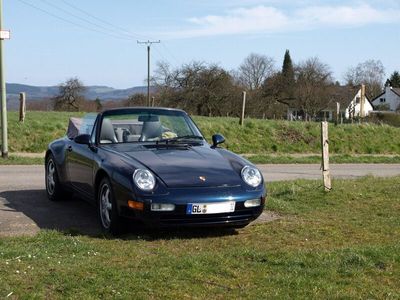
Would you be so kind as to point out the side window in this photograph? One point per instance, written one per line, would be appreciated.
(94, 130)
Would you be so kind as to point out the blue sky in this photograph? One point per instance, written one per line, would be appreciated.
(51, 41)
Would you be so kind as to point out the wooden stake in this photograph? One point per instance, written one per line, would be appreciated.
(337, 112)
(241, 121)
(325, 156)
(362, 101)
(22, 107)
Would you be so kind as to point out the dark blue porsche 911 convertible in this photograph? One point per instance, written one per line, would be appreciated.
(154, 166)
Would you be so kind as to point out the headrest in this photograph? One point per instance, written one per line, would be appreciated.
(148, 118)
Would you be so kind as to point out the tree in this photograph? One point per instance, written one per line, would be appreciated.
(70, 96)
(255, 69)
(278, 90)
(99, 106)
(199, 88)
(371, 73)
(137, 100)
(313, 87)
(287, 68)
(395, 79)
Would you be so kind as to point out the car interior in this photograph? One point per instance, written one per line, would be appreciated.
(146, 128)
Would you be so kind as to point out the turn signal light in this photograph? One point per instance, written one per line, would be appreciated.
(252, 203)
(135, 205)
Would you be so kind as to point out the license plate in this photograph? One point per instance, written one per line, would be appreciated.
(210, 208)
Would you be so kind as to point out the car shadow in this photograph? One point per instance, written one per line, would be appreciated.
(77, 217)
(72, 215)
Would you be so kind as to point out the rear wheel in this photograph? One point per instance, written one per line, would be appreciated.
(110, 221)
(54, 188)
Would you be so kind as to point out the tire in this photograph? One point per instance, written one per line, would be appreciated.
(110, 221)
(54, 189)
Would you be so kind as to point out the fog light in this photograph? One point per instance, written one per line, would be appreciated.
(252, 203)
(162, 207)
(135, 205)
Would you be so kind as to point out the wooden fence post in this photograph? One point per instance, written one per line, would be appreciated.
(362, 102)
(325, 156)
(22, 107)
(337, 112)
(152, 101)
(241, 121)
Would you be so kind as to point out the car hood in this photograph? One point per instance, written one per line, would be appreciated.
(194, 167)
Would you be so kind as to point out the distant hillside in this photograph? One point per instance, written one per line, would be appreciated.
(92, 92)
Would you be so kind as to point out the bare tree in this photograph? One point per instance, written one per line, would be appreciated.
(371, 73)
(136, 100)
(255, 69)
(200, 88)
(70, 96)
(313, 86)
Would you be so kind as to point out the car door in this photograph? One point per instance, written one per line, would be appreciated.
(80, 165)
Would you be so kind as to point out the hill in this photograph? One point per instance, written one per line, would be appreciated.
(92, 92)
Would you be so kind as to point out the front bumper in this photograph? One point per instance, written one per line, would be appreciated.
(181, 197)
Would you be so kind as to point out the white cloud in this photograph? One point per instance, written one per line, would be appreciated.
(268, 19)
(347, 15)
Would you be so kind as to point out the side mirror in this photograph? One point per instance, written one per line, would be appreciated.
(217, 139)
(82, 139)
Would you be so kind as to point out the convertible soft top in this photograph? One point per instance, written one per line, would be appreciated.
(74, 126)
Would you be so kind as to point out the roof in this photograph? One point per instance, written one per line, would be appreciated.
(380, 95)
(342, 94)
(396, 91)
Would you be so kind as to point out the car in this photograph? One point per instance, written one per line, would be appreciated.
(153, 166)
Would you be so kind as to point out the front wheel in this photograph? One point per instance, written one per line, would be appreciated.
(54, 188)
(107, 208)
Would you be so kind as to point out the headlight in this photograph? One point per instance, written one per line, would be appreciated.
(144, 180)
(251, 176)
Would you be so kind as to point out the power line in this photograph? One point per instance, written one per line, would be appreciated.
(74, 15)
(160, 54)
(71, 22)
(127, 32)
(178, 62)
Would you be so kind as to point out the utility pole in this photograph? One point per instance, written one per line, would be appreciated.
(4, 34)
(148, 43)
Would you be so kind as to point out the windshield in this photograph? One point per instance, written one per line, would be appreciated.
(147, 125)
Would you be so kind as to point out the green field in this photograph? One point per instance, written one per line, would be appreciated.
(343, 244)
(261, 137)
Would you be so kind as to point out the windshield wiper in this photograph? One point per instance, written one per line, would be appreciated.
(184, 138)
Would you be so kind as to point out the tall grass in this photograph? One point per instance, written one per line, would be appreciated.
(255, 137)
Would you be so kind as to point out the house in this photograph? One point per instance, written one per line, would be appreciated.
(349, 100)
(389, 99)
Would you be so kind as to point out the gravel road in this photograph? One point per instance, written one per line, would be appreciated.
(24, 208)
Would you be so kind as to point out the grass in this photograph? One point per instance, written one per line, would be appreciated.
(256, 159)
(255, 137)
(316, 159)
(284, 137)
(341, 244)
(38, 130)
(18, 160)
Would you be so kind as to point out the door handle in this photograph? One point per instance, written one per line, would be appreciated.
(69, 148)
